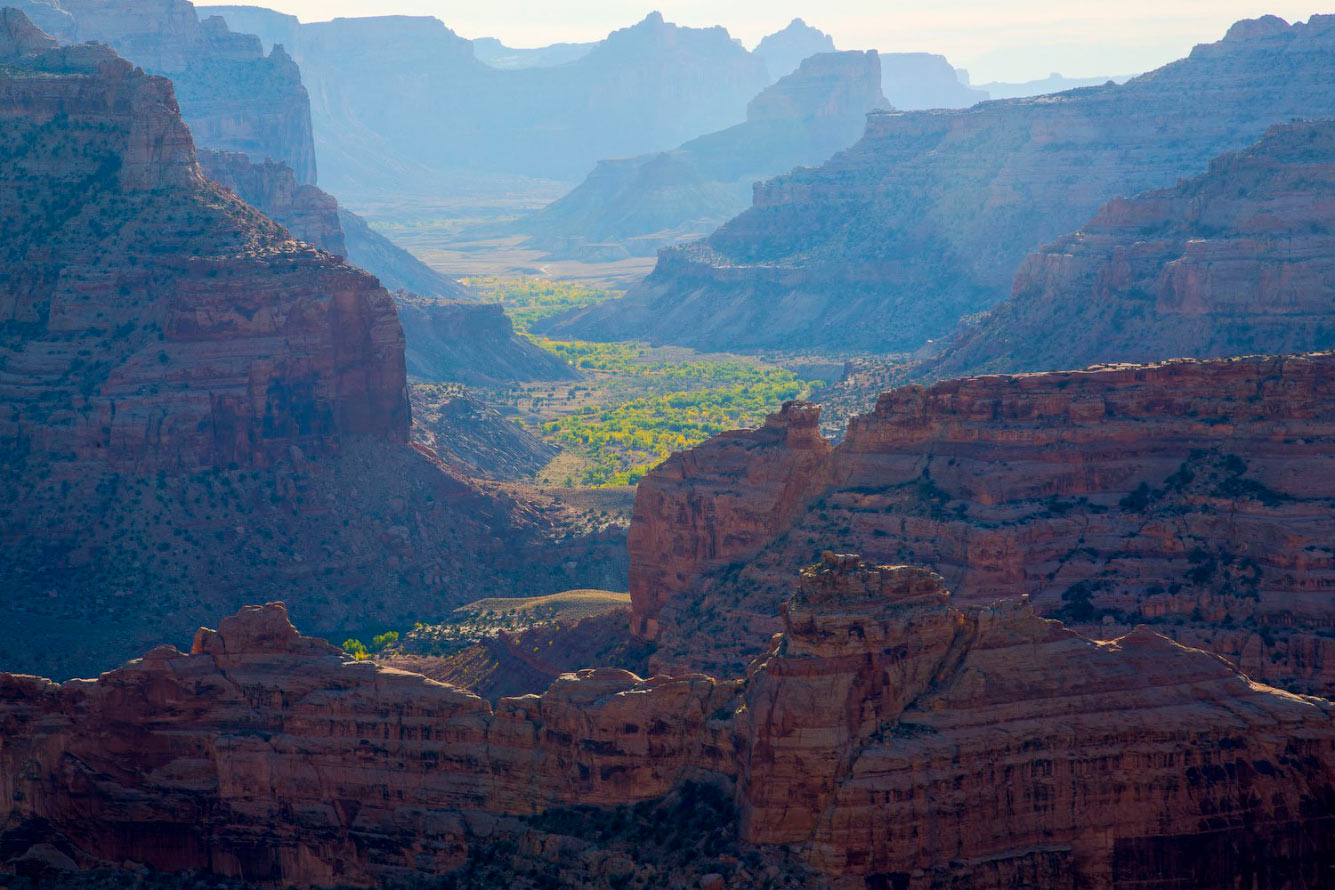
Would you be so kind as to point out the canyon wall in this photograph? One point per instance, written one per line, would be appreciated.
(197, 411)
(647, 202)
(1193, 496)
(314, 216)
(233, 96)
(925, 220)
(865, 738)
(1238, 260)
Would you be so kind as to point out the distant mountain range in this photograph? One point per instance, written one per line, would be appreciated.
(890, 243)
(636, 205)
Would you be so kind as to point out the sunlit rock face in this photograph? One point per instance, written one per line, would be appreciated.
(1190, 495)
(885, 737)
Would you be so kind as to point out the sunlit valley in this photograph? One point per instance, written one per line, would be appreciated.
(665, 459)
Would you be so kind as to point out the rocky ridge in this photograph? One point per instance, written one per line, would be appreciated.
(1189, 495)
(314, 216)
(650, 85)
(643, 203)
(472, 343)
(926, 219)
(878, 698)
(1236, 261)
(473, 436)
(234, 97)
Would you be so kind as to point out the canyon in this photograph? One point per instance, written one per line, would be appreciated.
(924, 221)
(1190, 496)
(864, 739)
(1236, 261)
(199, 411)
(638, 205)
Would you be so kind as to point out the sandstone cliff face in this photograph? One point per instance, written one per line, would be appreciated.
(199, 408)
(888, 738)
(886, 726)
(1193, 496)
(647, 202)
(927, 218)
(233, 96)
(1239, 260)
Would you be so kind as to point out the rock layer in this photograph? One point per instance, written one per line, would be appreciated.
(1191, 495)
(1239, 260)
(888, 738)
(890, 243)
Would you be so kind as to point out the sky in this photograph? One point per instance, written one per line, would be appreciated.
(1015, 40)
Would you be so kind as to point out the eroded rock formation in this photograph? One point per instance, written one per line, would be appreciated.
(887, 737)
(890, 243)
(643, 203)
(472, 343)
(234, 97)
(314, 216)
(1237, 261)
(197, 411)
(1191, 495)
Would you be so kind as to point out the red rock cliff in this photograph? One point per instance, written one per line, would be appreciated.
(886, 736)
(197, 411)
(210, 337)
(1194, 495)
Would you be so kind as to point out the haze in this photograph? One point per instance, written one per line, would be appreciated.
(1011, 41)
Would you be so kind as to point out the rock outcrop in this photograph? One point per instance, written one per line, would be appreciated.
(201, 410)
(308, 213)
(313, 215)
(917, 81)
(473, 436)
(1239, 260)
(785, 50)
(472, 343)
(1191, 496)
(924, 221)
(641, 204)
(234, 97)
(886, 737)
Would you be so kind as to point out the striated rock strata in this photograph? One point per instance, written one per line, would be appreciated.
(197, 411)
(1193, 496)
(1239, 260)
(925, 220)
(886, 737)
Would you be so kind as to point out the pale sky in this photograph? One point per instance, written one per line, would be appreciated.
(1016, 40)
